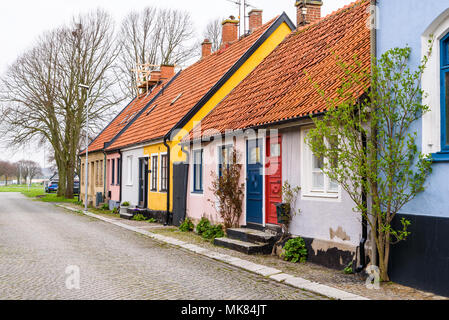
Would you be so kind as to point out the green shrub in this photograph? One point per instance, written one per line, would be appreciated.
(152, 220)
(214, 231)
(125, 204)
(139, 217)
(105, 206)
(202, 226)
(348, 269)
(187, 225)
(295, 250)
(115, 210)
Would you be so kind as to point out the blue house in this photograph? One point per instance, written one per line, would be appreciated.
(423, 260)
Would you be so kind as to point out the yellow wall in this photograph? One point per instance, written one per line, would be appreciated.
(93, 186)
(158, 201)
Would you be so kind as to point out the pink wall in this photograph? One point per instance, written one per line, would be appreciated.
(114, 188)
(198, 205)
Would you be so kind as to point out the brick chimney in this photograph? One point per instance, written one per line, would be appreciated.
(308, 11)
(255, 19)
(206, 48)
(167, 71)
(230, 31)
(155, 76)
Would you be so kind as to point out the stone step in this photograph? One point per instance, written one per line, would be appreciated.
(243, 246)
(127, 216)
(252, 235)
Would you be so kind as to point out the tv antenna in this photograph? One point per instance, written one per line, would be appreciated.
(243, 4)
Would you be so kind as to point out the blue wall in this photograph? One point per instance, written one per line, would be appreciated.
(401, 23)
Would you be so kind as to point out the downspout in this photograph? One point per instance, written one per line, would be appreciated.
(104, 175)
(167, 218)
(373, 53)
(120, 177)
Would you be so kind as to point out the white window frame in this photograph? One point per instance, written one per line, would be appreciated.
(192, 189)
(129, 170)
(307, 175)
(154, 189)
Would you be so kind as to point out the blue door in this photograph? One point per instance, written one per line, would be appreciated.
(254, 181)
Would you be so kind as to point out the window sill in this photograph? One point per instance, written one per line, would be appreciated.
(200, 193)
(442, 156)
(321, 195)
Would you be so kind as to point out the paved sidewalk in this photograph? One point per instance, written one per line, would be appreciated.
(272, 273)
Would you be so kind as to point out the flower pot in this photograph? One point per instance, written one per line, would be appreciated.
(283, 212)
(123, 209)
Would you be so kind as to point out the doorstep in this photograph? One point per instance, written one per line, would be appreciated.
(272, 273)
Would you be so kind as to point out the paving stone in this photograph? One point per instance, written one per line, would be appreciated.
(39, 241)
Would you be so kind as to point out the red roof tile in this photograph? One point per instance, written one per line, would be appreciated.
(282, 86)
(185, 92)
(121, 120)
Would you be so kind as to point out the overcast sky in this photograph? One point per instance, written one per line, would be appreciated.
(22, 21)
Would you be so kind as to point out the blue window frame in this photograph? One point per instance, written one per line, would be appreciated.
(444, 82)
(445, 93)
(198, 171)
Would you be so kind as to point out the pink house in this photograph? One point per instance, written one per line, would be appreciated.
(113, 177)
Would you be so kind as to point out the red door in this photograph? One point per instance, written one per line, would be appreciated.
(273, 177)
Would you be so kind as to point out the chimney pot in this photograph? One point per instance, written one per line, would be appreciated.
(167, 71)
(206, 48)
(255, 19)
(230, 31)
(308, 11)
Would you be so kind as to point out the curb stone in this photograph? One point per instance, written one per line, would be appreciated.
(272, 273)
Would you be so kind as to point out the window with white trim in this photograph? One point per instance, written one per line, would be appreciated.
(315, 181)
(129, 165)
(154, 173)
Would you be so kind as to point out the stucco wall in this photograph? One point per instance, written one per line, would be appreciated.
(113, 188)
(330, 220)
(401, 23)
(198, 204)
(93, 186)
(130, 183)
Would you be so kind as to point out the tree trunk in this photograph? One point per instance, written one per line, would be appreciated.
(70, 180)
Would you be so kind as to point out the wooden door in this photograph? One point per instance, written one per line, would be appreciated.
(273, 177)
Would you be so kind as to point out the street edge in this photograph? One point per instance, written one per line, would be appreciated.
(262, 270)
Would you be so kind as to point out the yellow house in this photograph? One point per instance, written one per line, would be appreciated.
(153, 164)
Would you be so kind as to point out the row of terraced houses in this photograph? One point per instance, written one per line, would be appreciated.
(254, 95)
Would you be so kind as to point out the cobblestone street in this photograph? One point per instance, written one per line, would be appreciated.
(39, 241)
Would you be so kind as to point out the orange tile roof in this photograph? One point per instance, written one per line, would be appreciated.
(282, 86)
(122, 119)
(186, 91)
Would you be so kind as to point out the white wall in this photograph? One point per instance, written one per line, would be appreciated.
(318, 214)
(130, 184)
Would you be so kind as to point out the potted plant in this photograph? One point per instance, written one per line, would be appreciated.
(124, 207)
(283, 212)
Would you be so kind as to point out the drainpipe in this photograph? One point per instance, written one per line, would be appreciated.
(104, 175)
(167, 218)
(120, 177)
(373, 48)
(362, 264)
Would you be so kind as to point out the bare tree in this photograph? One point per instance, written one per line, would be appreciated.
(7, 169)
(213, 33)
(28, 169)
(153, 36)
(41, 97)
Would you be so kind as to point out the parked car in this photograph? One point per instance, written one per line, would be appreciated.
(52, 187)
(76, 187)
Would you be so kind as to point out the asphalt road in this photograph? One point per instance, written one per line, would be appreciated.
(43, 249)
